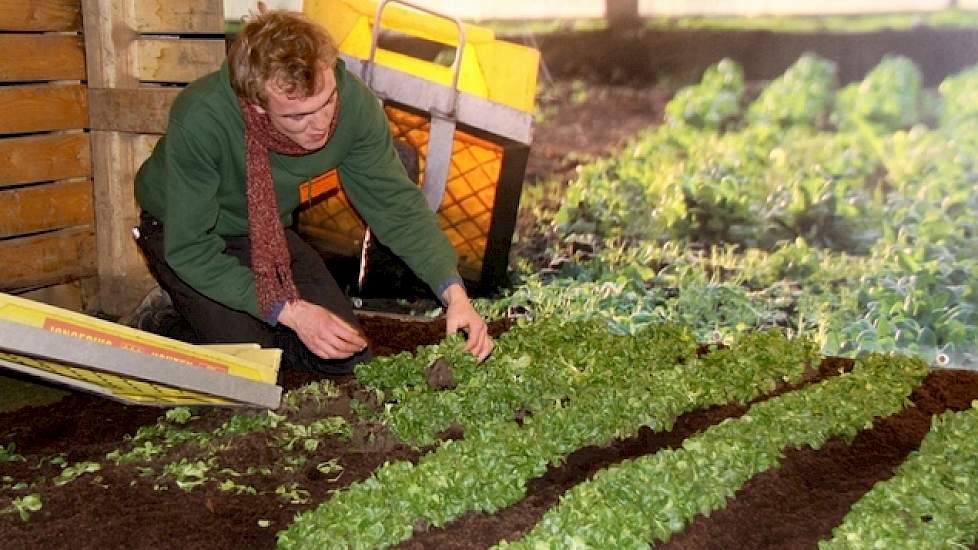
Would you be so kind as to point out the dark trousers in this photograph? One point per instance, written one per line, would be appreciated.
(215, 323)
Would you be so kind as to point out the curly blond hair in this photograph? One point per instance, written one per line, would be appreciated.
(280, 47)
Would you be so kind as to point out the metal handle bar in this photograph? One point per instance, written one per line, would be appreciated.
(368, 71)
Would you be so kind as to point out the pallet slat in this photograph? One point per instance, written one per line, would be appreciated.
(122, 273)
(109, 43)
(185, 60)
(48, 259)
(44, 158)
(40, 15)
(26, 109)
(180, 16)
(33, 57)
(45, 207)
(137, 110)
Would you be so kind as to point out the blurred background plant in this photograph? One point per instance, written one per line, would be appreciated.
(846, 215)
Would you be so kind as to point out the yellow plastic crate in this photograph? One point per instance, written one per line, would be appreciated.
(499, 71)
(130, 365)
(492, 105)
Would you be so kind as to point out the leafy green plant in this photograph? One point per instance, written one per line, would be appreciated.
(715, 101)
(25, 506)
(292, 493)
(71, 472)
(179, 415)
(533, 366)
(307, 437)
(142, 452)
(803, 95)
(8, 454)
(957, 91)
(861, 235)
(229, 485)
(889, 98)
(317, 392)
(188, 474)
(243, 424)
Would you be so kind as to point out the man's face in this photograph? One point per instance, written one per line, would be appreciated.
(305, 120)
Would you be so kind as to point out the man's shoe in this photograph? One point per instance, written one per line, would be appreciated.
(154, 314)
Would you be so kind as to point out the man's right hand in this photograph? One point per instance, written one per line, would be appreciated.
(324, 333)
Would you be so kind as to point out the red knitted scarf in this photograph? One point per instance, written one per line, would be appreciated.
(270, 259)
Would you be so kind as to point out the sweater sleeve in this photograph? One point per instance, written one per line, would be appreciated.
(191, 209)
(392, 205)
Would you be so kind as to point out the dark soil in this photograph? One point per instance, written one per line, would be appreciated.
(590, 124)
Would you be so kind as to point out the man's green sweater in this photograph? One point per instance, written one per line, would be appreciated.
(194, 182)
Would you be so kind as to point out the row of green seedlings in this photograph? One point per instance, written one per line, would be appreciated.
(930, 502)
(400, 376)
(648, 499)
(535, 367)
(490, 468)
(295, 442)
(395, 376)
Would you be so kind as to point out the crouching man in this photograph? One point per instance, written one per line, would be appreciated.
(218, 192)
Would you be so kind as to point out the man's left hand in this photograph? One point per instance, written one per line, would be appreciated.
(460, 315)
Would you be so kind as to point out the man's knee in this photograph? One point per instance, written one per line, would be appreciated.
(296, 356)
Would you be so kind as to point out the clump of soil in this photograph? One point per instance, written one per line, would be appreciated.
(366, 397)
(339, 406)
(453, 432)
(372, 437)
(439, 375)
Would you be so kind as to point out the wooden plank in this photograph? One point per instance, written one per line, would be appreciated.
(68, 296)
(43, 260)
(180, 16)
(138, 110)
(40, 108)
(46, 157)
(33, 57)
(172, 60)
(45, 207)
(40, 15)
(110, 46)
(121, 270)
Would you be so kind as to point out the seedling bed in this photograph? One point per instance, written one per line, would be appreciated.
(119, 506)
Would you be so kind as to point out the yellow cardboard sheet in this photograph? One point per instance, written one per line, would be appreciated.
(247, 362)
